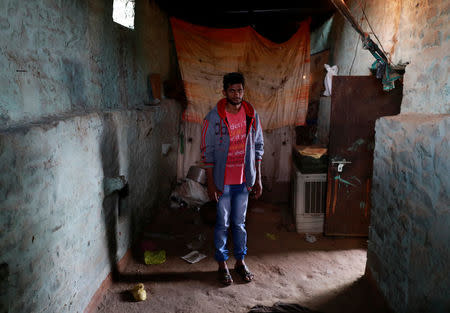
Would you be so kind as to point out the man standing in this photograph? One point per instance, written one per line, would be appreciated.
(232, 148)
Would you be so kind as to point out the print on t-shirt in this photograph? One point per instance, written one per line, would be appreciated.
(234, 173)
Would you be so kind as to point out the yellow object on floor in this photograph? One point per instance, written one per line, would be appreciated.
(271, 236)
(154, 257)
(139, 292)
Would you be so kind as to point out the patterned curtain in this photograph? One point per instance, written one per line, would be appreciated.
(277, 75)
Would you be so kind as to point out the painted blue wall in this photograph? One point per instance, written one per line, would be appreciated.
(69, 56)
(72, 89)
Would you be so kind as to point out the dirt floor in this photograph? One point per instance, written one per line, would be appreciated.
(326, 276)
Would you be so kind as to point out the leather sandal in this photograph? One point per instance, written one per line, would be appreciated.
(244, 272)
(225, 276)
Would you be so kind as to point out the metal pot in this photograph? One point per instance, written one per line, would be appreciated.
(197, 173)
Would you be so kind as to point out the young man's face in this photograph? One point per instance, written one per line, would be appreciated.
(234, 94)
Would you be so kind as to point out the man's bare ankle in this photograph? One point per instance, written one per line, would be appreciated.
(240, 262)
(223, 265)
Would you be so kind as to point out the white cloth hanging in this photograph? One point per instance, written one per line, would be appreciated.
(331, 71)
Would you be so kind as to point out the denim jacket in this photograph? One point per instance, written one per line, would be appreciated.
(215, 141)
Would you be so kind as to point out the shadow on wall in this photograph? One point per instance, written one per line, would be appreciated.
(115, 192)
(121, 212)
(120, 216)
(110, 164)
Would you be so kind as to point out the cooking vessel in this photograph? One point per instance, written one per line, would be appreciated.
(197, 173)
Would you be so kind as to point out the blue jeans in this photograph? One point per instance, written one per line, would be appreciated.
(231, 208)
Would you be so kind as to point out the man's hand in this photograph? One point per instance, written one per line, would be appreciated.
(257, 189)
(213, 193)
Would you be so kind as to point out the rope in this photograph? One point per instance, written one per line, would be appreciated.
(373, 32)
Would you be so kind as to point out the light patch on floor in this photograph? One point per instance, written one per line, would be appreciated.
(326, 275)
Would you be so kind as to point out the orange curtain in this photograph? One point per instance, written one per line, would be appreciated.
(277, 75)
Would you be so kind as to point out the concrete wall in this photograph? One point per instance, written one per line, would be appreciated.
(58, 231)
(69, 56)
(410, 31)
(408, 252)
(72, 89)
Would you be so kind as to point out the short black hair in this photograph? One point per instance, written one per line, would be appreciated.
(233, 78)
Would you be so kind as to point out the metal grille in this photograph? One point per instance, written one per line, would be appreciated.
(315, 196)
(309, 200)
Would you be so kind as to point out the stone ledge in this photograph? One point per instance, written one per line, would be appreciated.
(53, 120)
(415, 118)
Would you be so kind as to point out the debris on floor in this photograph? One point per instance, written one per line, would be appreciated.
(188, 193)
(193, 257)
(281, 307)
(324, 276)
(139, 293)
(155, 257)
(271, 236)
(310, 238)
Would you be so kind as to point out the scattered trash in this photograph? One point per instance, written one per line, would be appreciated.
(154, 257)
(197, 243)
(271, 236)
(189, 193)
(310, 238)
(139, 293)
(193, 257)
(257, 210)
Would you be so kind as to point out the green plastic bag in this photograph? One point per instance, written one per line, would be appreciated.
(154, 257)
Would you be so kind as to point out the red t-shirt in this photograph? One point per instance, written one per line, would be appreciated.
(234, 171)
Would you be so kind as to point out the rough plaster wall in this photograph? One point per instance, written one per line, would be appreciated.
(408, 251)
(169, 136)
(410, 31)
(69, 56)
(72, 86)
(57, 229)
